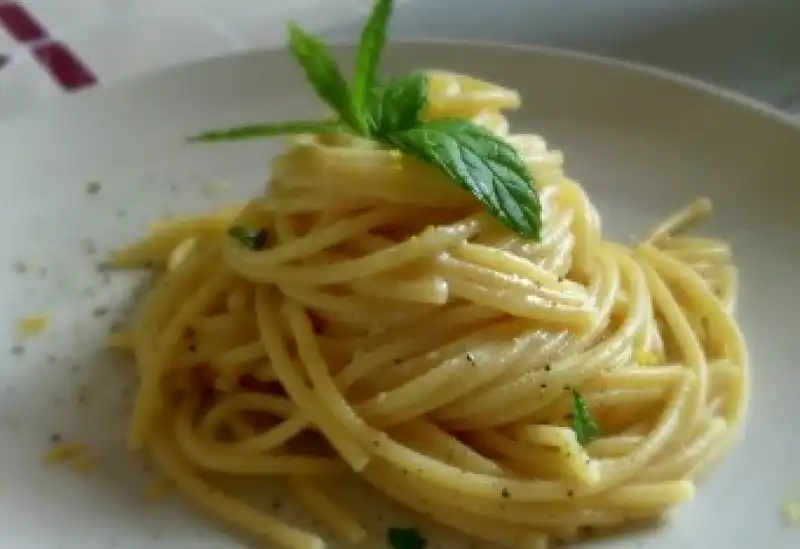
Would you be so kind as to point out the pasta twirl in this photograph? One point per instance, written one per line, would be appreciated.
(391, 329)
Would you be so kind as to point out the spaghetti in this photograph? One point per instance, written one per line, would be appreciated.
(391, 329)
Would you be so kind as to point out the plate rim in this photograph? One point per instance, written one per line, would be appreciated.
(731, 97)
(741, 106)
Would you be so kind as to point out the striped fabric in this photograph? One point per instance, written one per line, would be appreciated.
(51, 47)
(55, 57)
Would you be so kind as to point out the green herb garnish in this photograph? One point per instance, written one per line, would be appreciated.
(368, 59)
(391, 113)
(260, 131)
(480, 162)
(405, 538)
(254, 239)
(585, 427)
(323, 73)
(398, 104)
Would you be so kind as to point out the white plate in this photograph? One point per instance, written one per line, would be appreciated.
(641, 142)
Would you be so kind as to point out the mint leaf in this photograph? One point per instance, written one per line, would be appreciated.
(323, 73)
(473, 157)
(254, 239)
(405, 538)
(258, 131)
(491, 169)
(368, 60)
(398, 104)
(585, 427)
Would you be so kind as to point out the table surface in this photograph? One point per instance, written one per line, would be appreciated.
(51, 47)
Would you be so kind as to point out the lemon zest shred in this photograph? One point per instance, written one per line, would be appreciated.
(32, 326)
(791, 511)
(65, 452)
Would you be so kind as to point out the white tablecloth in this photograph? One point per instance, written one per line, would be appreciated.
(48, 47)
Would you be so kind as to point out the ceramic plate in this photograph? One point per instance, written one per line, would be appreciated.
(88, 173)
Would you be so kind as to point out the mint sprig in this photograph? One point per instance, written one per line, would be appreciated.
(405, 538)
(260, 131)
(398, 104)
(392, 113)
(480, 162)
(585, 427)
(323, 73)
(368, 59)
(253, 239)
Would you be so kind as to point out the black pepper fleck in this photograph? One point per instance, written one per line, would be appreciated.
(276, 504)
(398, 361)
(471, 358)
(505, 494)
(89, 247)
(93, 187)
(544, 386)
(548, 367)
(100, 312)
(17, 350)
(570, 494)
(83, 395)
(56, 438)
(192, 348)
